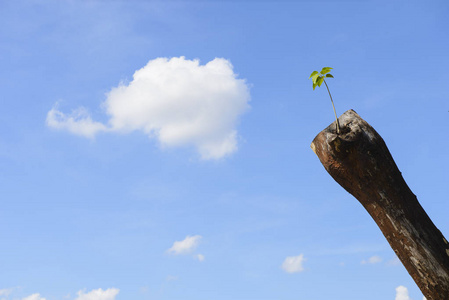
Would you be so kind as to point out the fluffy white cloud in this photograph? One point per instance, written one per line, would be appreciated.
(293, 264)
(402, 293)
(185, 246)
(99, 294)
(372, 260)
(34, 297)
(177, 101)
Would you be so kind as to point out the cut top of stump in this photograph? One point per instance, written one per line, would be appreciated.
(357, 152)
(352, 126)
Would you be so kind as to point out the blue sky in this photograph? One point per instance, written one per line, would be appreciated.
(194, 178)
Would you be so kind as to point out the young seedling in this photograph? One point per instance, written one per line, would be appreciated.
(318, 79)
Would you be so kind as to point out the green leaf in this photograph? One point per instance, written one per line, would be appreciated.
(314, 86)
(314, 77)
(313, 73)
(325, 70)
(319, 81)
(329, 76)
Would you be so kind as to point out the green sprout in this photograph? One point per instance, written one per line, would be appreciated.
(318, 79)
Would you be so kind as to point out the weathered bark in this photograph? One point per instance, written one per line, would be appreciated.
(359, 160)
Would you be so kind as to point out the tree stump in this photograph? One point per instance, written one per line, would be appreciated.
(359, 160)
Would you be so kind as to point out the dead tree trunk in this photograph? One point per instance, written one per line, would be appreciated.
(361, 163)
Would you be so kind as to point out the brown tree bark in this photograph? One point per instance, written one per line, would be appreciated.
(359, 160)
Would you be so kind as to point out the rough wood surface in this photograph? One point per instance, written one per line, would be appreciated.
(359, 160)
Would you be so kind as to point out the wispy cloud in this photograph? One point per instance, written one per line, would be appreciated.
(171, 278)
(5, 292)
(34, 297)
(293, 264)
(176, 101)
(79, 122)
(200, 257)
(185, 246)
(394, 262)
(99, 294)
(372, 260)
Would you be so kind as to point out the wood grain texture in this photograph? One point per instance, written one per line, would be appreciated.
(359, 160)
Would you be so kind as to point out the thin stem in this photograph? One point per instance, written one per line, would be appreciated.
(336, 118)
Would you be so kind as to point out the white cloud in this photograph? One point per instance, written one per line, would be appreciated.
(402, 293)
(372, 260)
(185, 246)
(293, 264)
(78, 122)
(5, 292)
(99, 294)
(394, 262)
(177, 101)
(171, 278)
(34, 297)
(200, 257)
